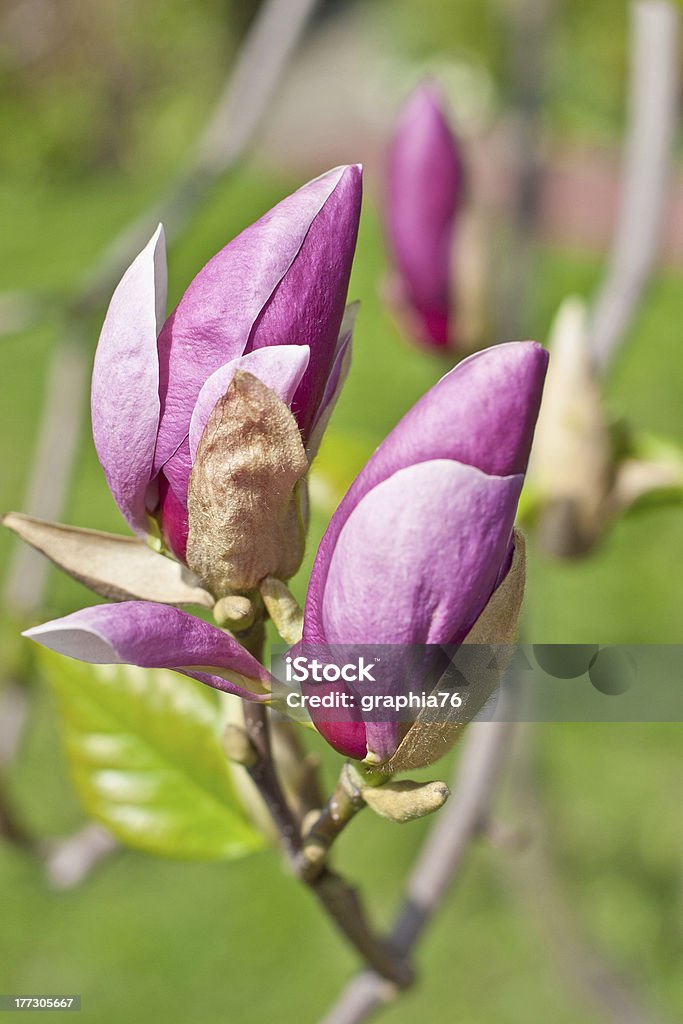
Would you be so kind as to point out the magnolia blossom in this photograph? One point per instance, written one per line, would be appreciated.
(425, 189)
(423, 538)
(271, 303)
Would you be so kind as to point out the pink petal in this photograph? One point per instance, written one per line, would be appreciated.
(154, 636)
(419, 557)
(125, 382)
(280, 369)
(223, 306)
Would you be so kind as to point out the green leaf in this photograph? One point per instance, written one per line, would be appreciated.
(144, 749)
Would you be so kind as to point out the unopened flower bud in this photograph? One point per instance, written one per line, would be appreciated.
(425, 187)
(572, 464)
(243, 512)
(234, 612)
(405, 801)
(283, 609)
(420, 550)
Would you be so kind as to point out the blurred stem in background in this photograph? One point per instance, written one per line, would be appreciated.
(647, 165)
(529, 30)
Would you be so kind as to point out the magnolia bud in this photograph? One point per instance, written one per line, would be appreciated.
(571, 466)
(405, 801)
(283, 609)
(243, 506)
(235, 613)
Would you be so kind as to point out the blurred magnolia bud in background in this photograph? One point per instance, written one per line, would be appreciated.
(438, 249)
(585, 469)
(571, 465)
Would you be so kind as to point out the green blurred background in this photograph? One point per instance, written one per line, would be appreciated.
(100, 104)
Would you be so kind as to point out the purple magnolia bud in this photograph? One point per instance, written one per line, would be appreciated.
(270, 304)
(425, 186)
(422, 539)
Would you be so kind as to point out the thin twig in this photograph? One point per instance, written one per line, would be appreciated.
(329, 821)
(264, 776)
(69, 861)
(13, 715)
(440, 860)
(647, 162)
(54, 455)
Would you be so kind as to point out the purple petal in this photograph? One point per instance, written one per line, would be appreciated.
(335, 382)
(244, 299)
(425, 184)
(348, 737)
(125, 382)
(177, 472)
(382, 739)
(280, 369)
(308, 306)
(480, 414)
(154, 636)
(173, 519)
(419, 557)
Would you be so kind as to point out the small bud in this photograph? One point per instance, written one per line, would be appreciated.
(405, 801)
(244, 520)
(425, 187)
(234, 612)
(310, 820)
(283, 609)
(315, 852)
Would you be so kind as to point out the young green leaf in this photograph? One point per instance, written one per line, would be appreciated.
(145, 754)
